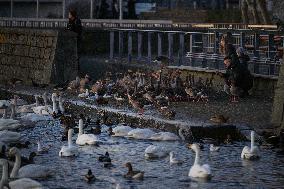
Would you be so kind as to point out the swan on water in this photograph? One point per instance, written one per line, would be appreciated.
(141, 133)
(84, 139)
(9, 136)
(121, 131)
(69, 150)
(30, 171)
(197, 170)
(174, 159)
(165, 136)
(251, 152)
(153, 151)
(23, 183)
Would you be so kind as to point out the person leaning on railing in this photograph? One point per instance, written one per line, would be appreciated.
(75, 25)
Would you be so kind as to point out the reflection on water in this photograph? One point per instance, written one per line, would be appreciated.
(228, 170)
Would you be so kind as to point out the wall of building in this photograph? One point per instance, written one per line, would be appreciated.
(44, 56)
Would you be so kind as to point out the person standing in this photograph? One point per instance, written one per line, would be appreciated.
(75, 25)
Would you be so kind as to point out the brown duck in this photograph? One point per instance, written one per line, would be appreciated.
(133, 174)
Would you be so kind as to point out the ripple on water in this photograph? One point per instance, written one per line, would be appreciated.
(228, 170)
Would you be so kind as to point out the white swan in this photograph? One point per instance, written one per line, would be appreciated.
(197, 170)
(69, 150)
(251, 152)
(9, 136)
(84, 139)
(30, 171)
(121, 131)
(153, 151)
(140, 133)
(60, 104)
(85, 94)
(24, 183)
(165, 136)
(54, 106)
(214, 148)
(29, 107)
(174, 159)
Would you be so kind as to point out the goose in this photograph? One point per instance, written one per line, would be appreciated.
(174, 160)
(165, 136)
(121, 131)
(252, 152)
(23, 183)
(153, 151)
(197, 170)
(140, 133)
(84, 139)
(85, 94)
(214, 148)
(89, 177)
(9, 136)
(133, 174)
(30, 171)
(69, 150)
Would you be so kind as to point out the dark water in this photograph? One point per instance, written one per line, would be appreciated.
(228, 169)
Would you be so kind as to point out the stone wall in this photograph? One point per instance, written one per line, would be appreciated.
(44, 56)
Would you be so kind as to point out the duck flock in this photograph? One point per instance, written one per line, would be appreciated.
(19, 171)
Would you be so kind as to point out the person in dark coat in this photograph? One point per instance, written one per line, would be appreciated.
(75, 25)
(227, 48)
(243, 57)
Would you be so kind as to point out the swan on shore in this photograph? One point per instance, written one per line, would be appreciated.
(69, 150)
(23, 183)
(85, 139)
(30, 171)
(197, 170)
(9, 136)
(252, 152)
(141, 133)
(153, 151)
(121, 131)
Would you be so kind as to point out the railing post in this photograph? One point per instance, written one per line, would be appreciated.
(216, 49)
(120, 41)
(160, 44)
(139, 48)
(129, 46)
(191, 48)
(63, 9)
(149, 47)
(256, 46)
(12, 9)
(271, 53)
(91, 9)
(181, 49)
(111, 47)
(242, 39)
(170, 49)
(37, 8)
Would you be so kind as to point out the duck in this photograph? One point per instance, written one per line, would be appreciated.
(23, 183)
(164, 136)
(131, 174)
(25, 160)
(154, 151)
(121, 131)
(174, 160)
(89, 177)
(140, 133)
(9, 136)
(228, 139)
(214, 148)
(219, 119)
(104, 158)
(85, 139)
(41, 149)
(197, 170)
(252, 152)
(69, 150)
(85, 94)
(30, 171)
